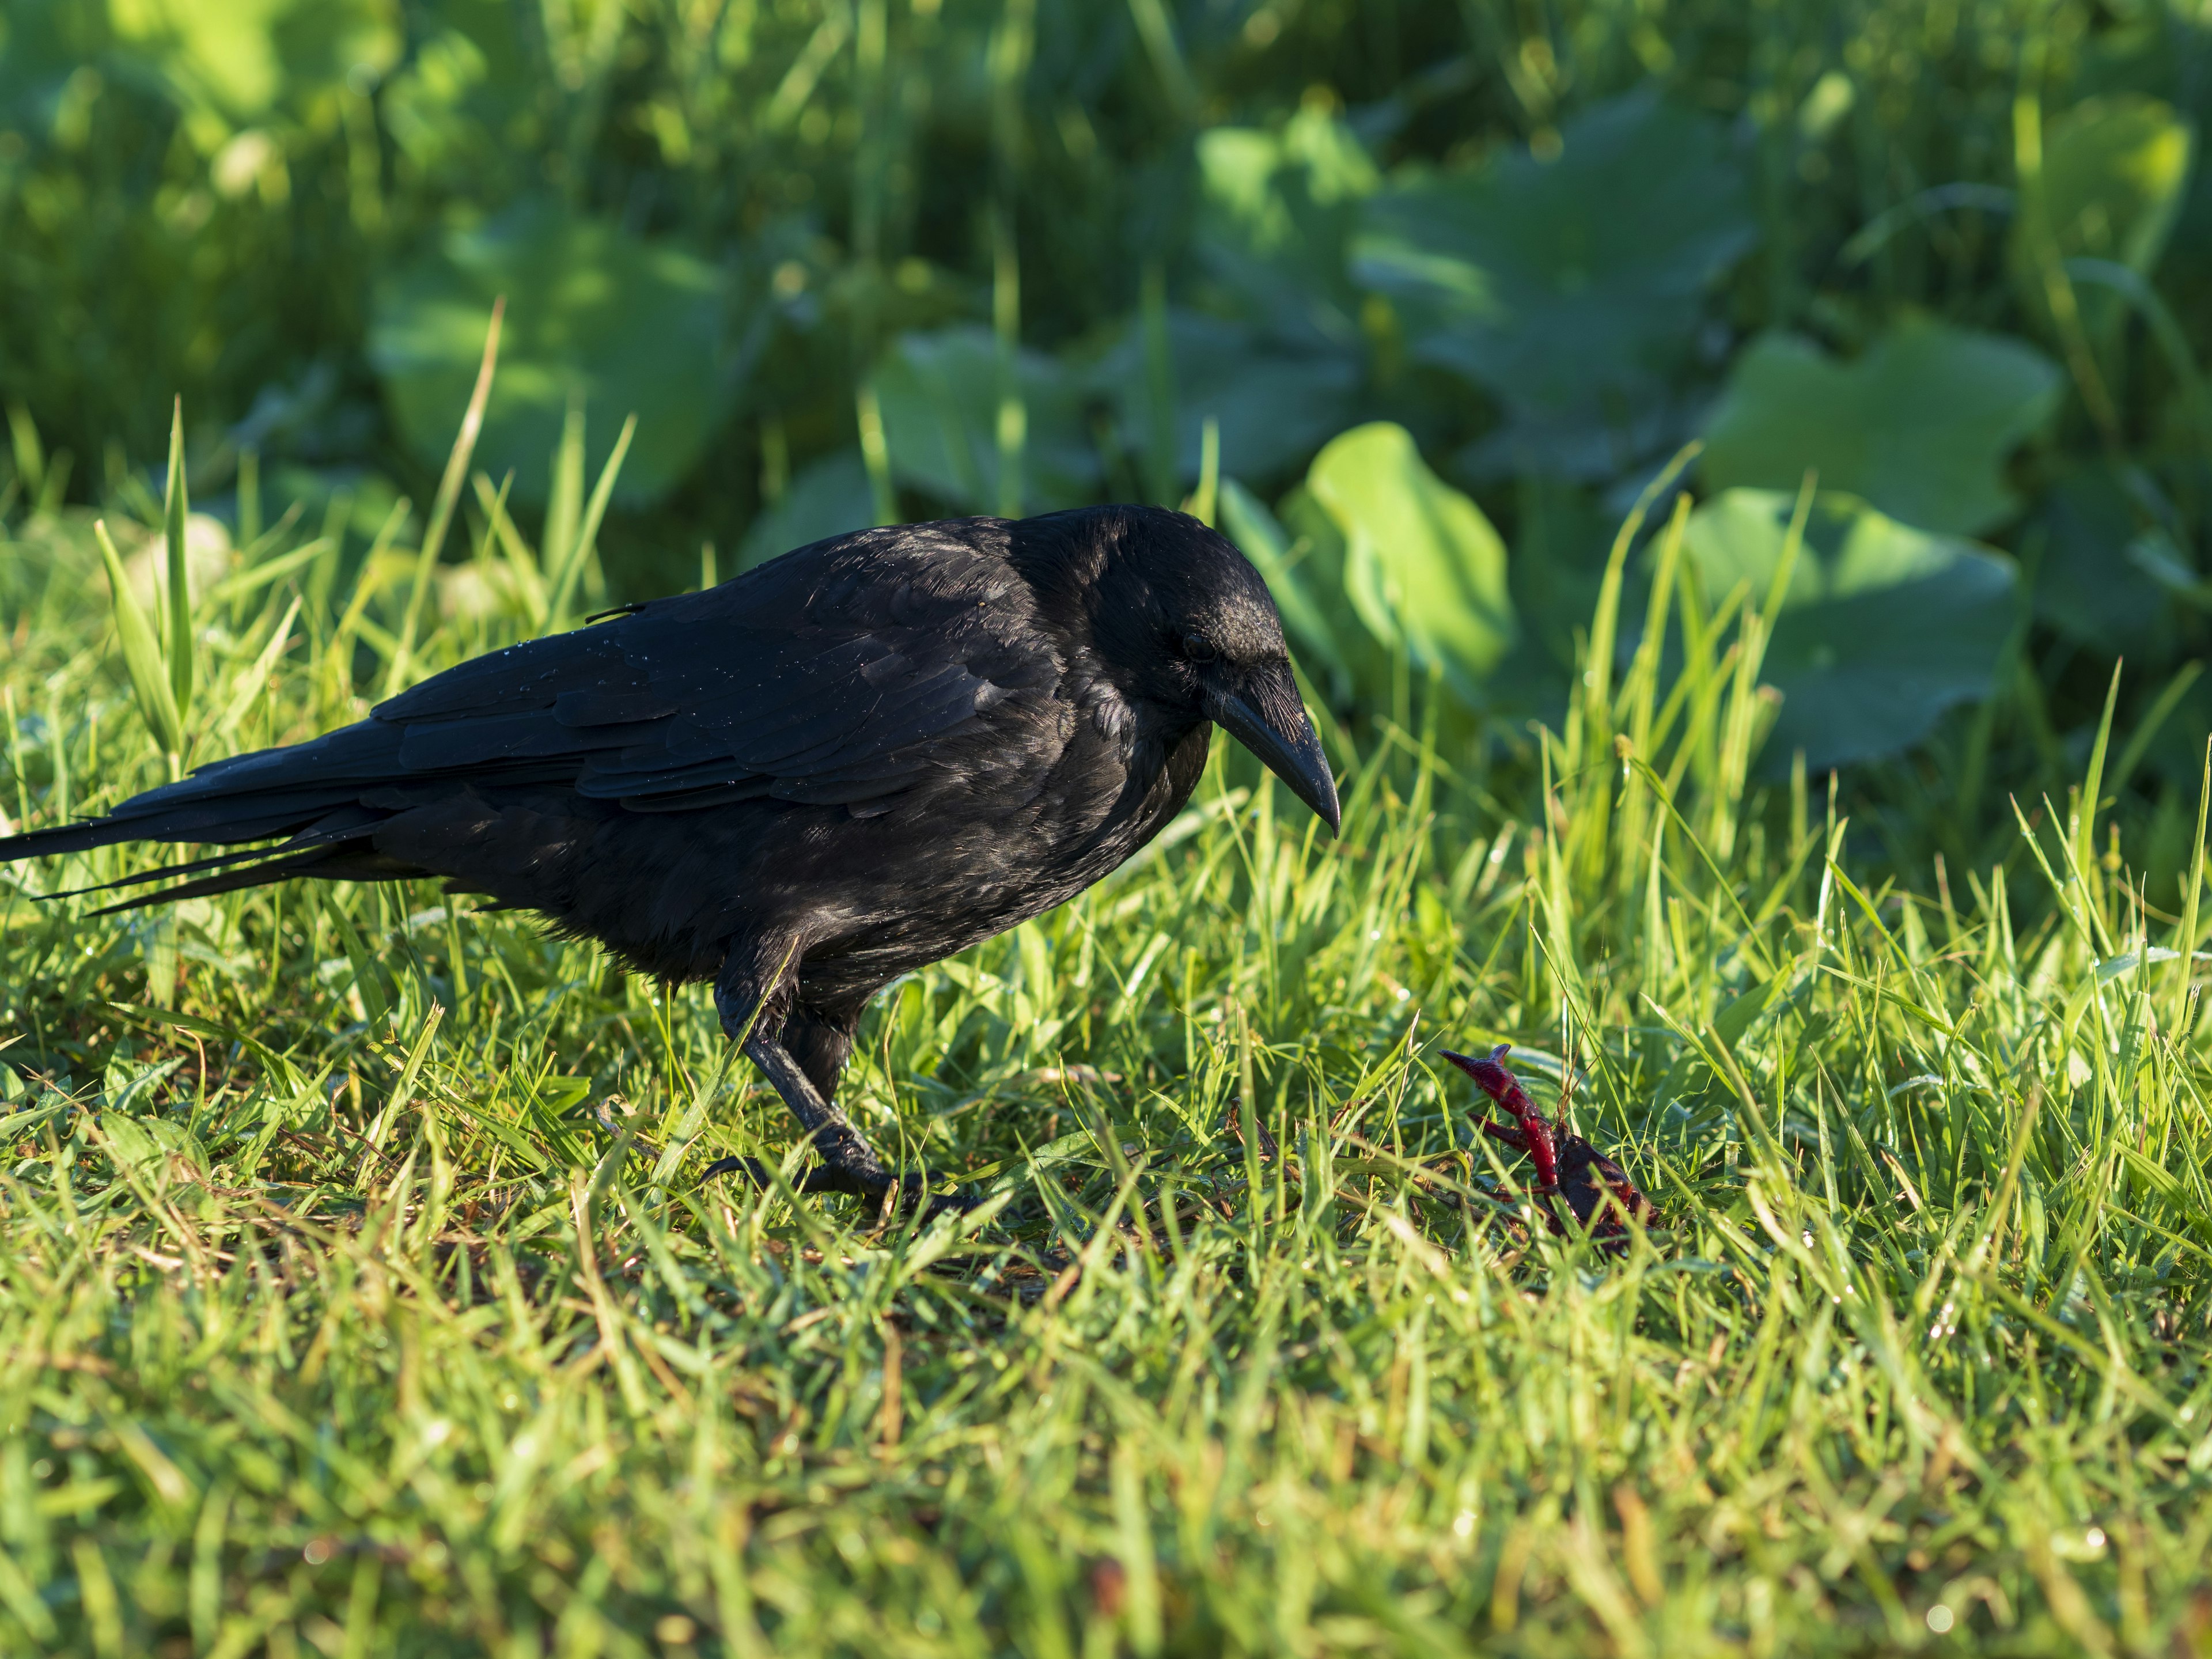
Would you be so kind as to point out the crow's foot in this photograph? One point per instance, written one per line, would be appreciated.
(927, 1192)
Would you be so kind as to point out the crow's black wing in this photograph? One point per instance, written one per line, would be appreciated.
(830, 676)
(830, 686)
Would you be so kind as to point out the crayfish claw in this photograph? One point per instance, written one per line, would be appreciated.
(1512, 1138)
(1598, 1191)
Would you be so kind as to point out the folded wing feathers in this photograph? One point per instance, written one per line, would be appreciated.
(666, 711)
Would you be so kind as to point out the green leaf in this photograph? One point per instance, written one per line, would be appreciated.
(564, 499)
(578, 557)
(1883, 627)
(1274, 406)
(1423, 567)
(1571, 289)
(42, 43)
(2089, 585)
(1920, 424)
(563, 1093)
(141, 653)
(1741, 1011)
(2114, 170)
(828, 497)
(631, 325)
(281, 1071)
(939, 395)
(1277, 212)
(243, 60)
(177, 633)
(1318, 555)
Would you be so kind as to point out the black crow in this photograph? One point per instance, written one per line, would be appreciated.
(841, 766)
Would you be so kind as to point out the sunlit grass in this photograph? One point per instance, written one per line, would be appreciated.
(360, 1296)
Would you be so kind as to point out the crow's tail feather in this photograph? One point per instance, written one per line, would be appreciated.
(309, 789)
(353, 861)
(286, 850)
(66, 838)
(306, 800)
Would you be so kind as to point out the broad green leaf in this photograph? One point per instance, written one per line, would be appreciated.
(1883, 628)
(828, 497)
(634, 326)
(1569, 288)
(1423, 567)
(939, 392)
(468, 107)
(1277, 212)
(1562, 534)
(1920, 425)
(1274, 407)
(2087, 585)
(2113, 173)
(243, 60)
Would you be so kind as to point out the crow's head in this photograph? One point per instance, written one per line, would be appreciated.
(1187, 624)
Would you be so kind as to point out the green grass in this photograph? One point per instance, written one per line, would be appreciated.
(358, 1294)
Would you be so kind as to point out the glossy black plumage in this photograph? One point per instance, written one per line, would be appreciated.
(848, 762)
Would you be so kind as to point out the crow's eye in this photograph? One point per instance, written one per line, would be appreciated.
(1198, 647)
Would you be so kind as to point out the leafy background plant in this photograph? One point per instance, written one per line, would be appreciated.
(856, 261)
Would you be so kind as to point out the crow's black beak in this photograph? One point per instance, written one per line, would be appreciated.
(1265, 715)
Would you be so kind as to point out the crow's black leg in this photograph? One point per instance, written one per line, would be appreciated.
(763, 1016)
(849, 1164)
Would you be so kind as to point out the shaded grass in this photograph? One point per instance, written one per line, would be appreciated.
(359, 1295)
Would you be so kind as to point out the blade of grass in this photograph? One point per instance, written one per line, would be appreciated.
(579, 556)
(150, 684)
(177, 637)
(443, 505)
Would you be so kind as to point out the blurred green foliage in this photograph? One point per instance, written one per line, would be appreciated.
(851, 259)
(1881, 626)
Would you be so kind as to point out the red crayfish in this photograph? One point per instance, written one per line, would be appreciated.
(1597, 1190)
